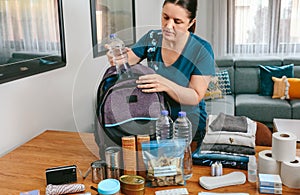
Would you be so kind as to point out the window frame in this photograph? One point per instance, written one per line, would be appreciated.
(95, 44)
(273, 46)
(32, 65)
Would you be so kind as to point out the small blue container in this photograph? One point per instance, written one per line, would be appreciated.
(109, 187)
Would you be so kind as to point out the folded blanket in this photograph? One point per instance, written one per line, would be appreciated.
(228, 148)
(225, 122)
(229, 139)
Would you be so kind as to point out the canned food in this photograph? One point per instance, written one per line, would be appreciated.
(113, 161)
(98, 171)
(132, 184)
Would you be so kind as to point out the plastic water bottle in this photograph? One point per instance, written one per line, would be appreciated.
(252, 169)
(183, 130)
(120, 58)
(164, 126)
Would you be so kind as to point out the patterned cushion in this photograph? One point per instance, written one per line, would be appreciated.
(224, 82)
(213, 91)
(218, 86)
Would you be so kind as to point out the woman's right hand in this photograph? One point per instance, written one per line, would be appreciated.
(119, 58)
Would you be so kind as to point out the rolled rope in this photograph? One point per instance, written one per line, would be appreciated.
(64, 189)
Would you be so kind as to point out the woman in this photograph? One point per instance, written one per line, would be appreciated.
(183, 62)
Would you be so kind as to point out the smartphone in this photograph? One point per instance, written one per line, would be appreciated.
(61, 175)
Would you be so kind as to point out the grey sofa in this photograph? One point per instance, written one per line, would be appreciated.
(245, 100)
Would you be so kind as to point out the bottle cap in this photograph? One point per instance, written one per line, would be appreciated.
(112, 35)
(164, 112)
(181, 114)
(109, 186)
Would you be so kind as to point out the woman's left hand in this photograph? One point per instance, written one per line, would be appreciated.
(152, 83)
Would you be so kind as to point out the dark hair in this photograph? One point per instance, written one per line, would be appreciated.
(190, 6)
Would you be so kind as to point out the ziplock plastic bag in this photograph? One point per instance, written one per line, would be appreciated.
(164, 162)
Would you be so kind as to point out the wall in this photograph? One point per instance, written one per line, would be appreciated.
(63, 99)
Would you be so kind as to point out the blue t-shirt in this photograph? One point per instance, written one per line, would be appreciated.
(197, 58)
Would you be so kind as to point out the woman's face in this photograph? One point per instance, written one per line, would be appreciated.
(175, 21)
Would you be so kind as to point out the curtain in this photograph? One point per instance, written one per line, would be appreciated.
(29, 26)
(257, 27)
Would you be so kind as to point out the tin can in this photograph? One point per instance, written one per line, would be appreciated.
(132, 184)
(98, 171)
(113, 161)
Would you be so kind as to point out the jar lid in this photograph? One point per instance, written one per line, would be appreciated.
(98, 164)
(109, 186)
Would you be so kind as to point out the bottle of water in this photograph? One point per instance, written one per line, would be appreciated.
(164, 126)
(183, 130)
(120, 58)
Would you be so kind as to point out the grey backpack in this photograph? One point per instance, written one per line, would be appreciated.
(123, 109)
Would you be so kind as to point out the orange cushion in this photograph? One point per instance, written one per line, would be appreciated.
(294, 90)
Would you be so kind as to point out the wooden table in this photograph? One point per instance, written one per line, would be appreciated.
(24, 168)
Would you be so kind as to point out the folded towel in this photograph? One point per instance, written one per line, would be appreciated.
(251, 129)
(225, 122)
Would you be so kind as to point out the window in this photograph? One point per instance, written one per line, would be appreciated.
(31, 38)
(111, 16)
(263, 27)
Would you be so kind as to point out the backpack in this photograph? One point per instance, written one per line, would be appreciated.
(123, 109)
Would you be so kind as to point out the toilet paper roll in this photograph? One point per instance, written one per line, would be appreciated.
(290, 173)
(284, 146)
(267, 164)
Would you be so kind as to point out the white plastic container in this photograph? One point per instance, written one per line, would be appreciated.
(109, 187)
(252, 169)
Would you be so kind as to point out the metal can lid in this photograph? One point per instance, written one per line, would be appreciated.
(132, 179)
(98, 164)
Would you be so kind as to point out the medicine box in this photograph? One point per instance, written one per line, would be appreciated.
(269, 180)
(269, 190)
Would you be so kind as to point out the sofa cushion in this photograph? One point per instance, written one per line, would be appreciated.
(295, 104)
(262, 108)
(218, 86)
(266, 73)
(294, 88)
(225, 105)
(293, 60)
(226, 63)
(281, 88)
(224, 82)
(213, 90)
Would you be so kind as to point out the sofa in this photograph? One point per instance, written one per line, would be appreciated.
(246, 99)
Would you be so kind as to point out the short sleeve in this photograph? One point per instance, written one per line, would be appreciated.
(140, 47)
(206, 63)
